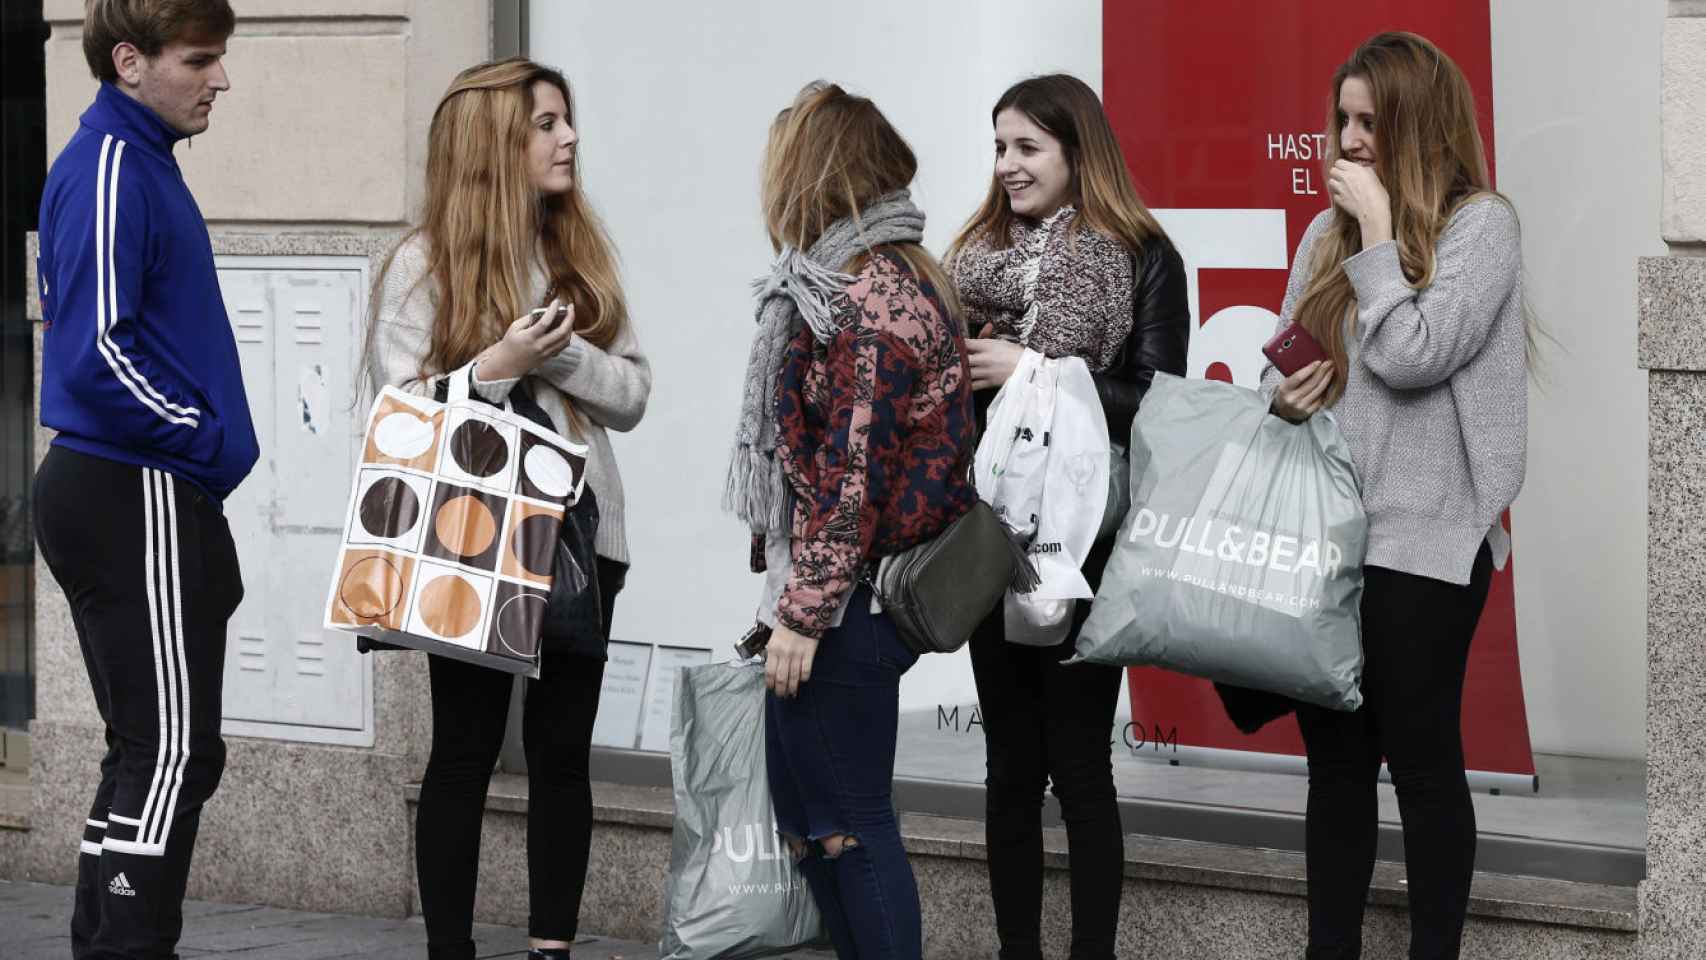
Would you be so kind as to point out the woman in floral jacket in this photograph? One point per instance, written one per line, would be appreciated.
(855, 440)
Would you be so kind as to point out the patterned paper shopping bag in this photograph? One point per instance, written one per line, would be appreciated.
(452, 526)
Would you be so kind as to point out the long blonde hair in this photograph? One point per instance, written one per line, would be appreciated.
(1102, 191)
(830, 154)
(485, 223)
(1430, 159)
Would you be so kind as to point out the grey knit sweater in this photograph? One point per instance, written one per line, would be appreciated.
(608, 387)
(1435, 407)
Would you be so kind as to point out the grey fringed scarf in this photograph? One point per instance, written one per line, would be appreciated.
(797, 292)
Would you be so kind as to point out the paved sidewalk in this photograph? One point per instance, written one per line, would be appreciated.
(35, 920)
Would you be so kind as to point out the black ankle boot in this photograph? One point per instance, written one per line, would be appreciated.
(548, 953)
(451, 951)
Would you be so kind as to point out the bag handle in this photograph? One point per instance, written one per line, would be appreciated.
(460, 384)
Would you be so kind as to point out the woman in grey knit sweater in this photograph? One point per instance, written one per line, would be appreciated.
(1412, 283)
(504, 231)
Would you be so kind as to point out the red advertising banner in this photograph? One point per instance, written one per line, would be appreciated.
(1221, 107)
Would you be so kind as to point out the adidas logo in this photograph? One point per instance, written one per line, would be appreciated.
(121, 886)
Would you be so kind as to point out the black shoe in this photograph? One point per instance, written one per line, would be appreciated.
(548, 953)
(451, 951)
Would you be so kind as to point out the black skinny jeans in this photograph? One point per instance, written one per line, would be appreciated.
(1049, 724)
(470, 709)
(1415, 635)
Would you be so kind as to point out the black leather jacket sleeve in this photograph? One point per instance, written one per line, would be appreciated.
(1160, 334)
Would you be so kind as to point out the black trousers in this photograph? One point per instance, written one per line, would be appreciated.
(1045, 724)
(149, 568)
(1415, 635)
(470, 709)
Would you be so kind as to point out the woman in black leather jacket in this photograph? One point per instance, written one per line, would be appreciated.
(1062, 258)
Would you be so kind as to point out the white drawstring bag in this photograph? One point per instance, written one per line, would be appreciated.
(1012, 455)
(1043, 467)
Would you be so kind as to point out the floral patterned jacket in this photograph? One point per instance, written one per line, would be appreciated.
(876, 436)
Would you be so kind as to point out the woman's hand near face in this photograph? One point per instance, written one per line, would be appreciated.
(1303, 393)
(1357, 190)
(992, 361)
(529, 341)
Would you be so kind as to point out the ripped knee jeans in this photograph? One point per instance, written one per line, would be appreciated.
(830, 752)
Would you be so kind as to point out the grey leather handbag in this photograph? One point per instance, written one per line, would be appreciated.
(938, 591)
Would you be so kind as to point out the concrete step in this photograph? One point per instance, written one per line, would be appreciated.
(1182, 899)
(15, 797)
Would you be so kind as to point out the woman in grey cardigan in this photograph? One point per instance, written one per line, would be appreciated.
(504, 231)
(1412, 283)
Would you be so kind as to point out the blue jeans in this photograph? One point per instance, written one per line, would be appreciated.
(830, 753)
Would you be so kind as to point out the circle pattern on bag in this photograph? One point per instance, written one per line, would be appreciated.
(403, 436)
(532, 543)
(465, 525)
(548, 471)
(479, 449)
(389, 508)
(450, 606)
(518, 624)
(371, 588)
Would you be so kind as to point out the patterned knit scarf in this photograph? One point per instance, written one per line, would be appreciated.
(1059, 288)
(797, 293)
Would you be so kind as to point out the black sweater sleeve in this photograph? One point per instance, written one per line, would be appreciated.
(1160, 334)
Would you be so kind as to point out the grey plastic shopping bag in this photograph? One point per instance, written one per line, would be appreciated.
(733, 890)
(1241, 557)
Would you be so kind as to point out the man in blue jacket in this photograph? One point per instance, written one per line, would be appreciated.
(141, 380)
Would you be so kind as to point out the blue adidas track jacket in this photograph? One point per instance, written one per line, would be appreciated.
(139, 364)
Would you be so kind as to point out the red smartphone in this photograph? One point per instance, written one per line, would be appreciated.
(1292, 349)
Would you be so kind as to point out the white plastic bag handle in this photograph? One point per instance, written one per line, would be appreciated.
(462, 385)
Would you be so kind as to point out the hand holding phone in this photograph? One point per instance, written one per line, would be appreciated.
(534, 337)
(552, 315)
(1292, 349)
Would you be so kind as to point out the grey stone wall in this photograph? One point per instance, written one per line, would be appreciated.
(1672, 294)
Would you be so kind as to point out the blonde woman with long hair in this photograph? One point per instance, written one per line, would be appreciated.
(1062, 258)
(854, 442)
(506, 229)
(1412, 281)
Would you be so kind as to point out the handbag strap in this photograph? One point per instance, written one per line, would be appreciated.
(523, 403)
